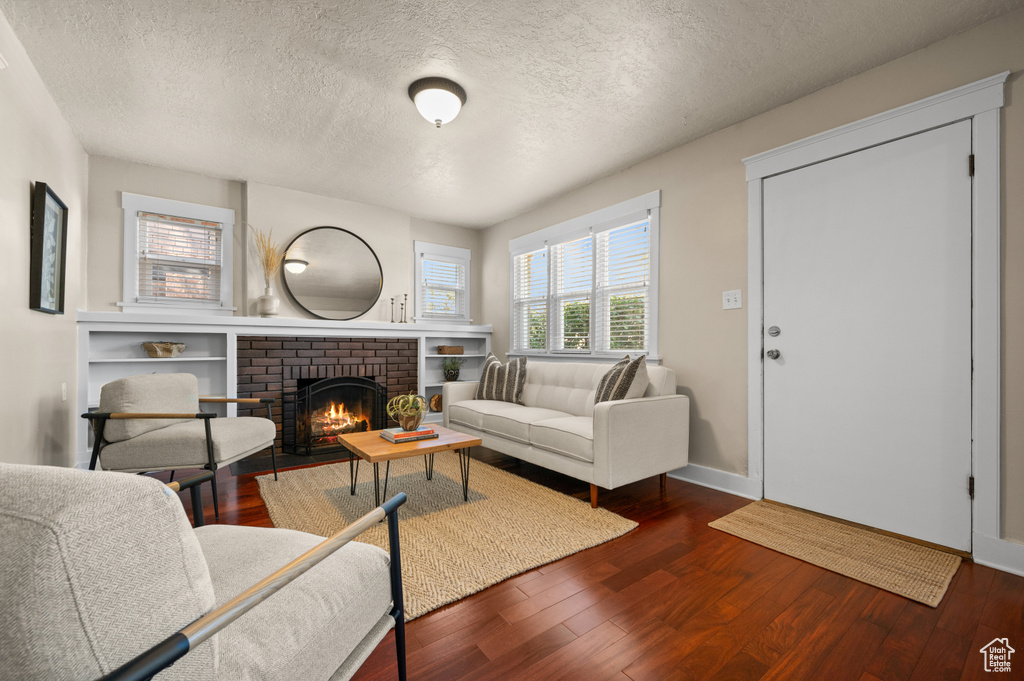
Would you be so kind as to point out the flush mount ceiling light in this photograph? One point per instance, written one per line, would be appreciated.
(437, 99)
(295, 266)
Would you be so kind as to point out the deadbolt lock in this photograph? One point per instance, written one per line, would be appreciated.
(774, 331)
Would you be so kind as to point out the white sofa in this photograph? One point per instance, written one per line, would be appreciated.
(559, 427)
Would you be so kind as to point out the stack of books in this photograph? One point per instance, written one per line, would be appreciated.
(400, 435)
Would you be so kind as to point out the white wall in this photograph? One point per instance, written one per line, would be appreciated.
(108, 177)
(38, 351)
(287, 213)
(704, 238)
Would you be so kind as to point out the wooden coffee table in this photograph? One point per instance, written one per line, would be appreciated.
(370, 446)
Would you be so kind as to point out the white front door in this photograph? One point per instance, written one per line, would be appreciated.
(867, 276)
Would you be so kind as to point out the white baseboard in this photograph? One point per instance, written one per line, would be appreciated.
(721, 480)
(998, 553)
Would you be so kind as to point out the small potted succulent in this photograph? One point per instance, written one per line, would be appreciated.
(451, 367)
(408, 410)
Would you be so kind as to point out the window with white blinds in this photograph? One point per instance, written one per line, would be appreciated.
(442, 282)
(444, 289)
(622, 286)
(530, 300)
(177, 256)
(589, 286)
(572, 278)
(179, 259)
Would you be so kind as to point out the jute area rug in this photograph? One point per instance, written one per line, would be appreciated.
(450, 548)
(917, 572)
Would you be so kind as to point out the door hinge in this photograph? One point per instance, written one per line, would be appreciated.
(970, 486)
(970, 165)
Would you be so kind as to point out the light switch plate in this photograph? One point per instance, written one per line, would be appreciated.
(732, 300)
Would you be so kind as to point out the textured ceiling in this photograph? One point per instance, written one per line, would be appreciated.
(311, 94)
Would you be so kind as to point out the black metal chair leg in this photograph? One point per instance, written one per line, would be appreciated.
(273, 446)
(97, 444)
(213, 484)
(172, 477)
(212, 465)
(197, 506)
(398, 598)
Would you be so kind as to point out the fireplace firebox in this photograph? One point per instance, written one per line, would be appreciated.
(321, 410)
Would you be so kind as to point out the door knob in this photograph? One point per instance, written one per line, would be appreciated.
(773, 354)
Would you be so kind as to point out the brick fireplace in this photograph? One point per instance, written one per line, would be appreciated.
(269, 366)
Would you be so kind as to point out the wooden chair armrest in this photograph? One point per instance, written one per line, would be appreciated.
(186, 483)
(94, 415)
(238, 400)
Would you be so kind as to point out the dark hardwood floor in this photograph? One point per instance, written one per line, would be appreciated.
(676, 600)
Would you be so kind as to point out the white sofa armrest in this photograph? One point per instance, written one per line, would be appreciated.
(456, 391)
(639, 438)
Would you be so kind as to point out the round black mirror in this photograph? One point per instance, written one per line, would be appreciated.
(332, 273)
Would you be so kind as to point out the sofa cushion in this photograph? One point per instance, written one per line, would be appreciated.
(563, 386)
(310, 627)
(571, 436)
(624, 381)
(147, 394)
(515, 423)
(472, 412)
(183, 445)
(502, 381)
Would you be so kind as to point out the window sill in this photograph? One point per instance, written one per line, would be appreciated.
(604, 357)
(443, 320)
(177, 308)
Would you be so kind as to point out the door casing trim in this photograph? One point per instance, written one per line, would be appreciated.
(981, 102)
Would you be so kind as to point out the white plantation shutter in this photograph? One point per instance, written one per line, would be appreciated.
(180, 259)
(442, 275)
(589, 285)
(444, 289)
(623, 284)
(572, 277)
(530, 301)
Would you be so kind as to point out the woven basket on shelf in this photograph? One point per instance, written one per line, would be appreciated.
(449, 349)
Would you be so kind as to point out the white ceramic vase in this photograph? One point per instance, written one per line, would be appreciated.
(268, 304)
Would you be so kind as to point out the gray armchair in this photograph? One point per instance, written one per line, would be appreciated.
(101, 574)
(152, 422)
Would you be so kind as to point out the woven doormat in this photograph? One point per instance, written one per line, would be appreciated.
(450, 548)
(917, 572)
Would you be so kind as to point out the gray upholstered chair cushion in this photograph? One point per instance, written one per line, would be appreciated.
(310, 628)
(95, 568)
(183, 445)
(571, 436)
(149, 393)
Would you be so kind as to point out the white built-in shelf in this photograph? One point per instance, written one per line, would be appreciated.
(447, 356)
(110, 345)
(121, 360)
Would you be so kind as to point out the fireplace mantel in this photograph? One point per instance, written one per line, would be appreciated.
(109, 347)
(274, 326)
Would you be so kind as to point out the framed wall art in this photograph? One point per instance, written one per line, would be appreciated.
(48, 251)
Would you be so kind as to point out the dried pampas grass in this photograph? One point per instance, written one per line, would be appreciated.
(269, 253)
